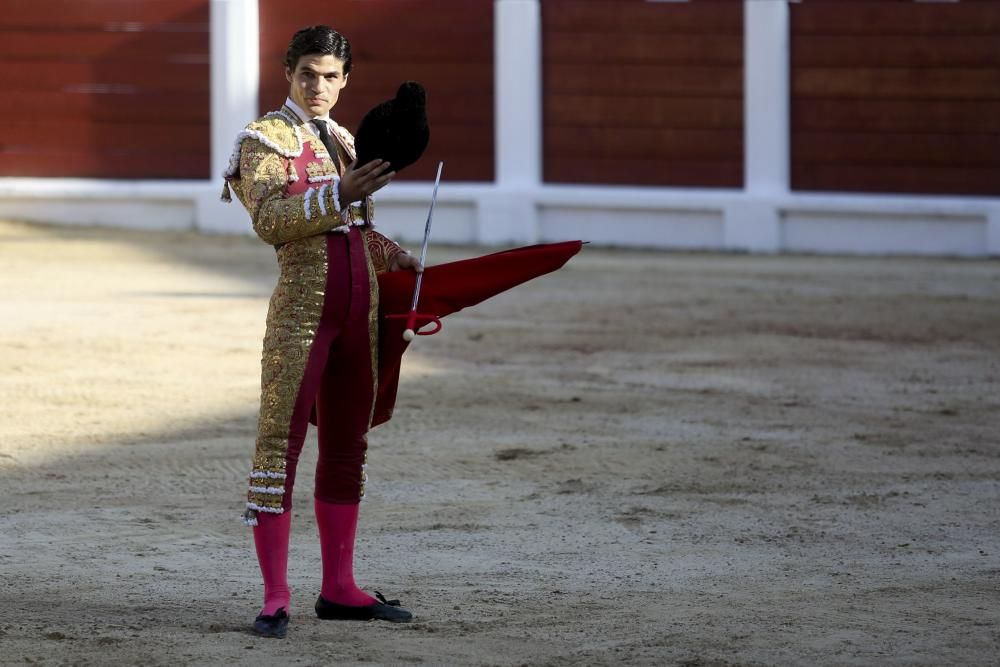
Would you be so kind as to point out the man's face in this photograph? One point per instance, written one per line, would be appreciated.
(316, 83)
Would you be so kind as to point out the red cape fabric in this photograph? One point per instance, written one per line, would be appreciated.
(448, 288)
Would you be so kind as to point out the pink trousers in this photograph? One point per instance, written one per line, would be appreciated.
(339, 379)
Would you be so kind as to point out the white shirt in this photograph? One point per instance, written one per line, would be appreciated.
(307, 119)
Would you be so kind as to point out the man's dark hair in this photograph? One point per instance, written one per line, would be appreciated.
(321, 40)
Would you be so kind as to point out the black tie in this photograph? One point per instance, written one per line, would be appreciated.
(324, 136)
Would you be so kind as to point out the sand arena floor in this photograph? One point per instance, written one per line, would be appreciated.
(645, 458)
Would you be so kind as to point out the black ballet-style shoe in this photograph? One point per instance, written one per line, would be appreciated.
(272, 626)
(383, 610)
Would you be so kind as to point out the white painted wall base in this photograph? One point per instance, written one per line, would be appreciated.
(993, 231)
(883, 233)
(753, 225)
(152, 215)
(159, 205)
(507, 216)
(219, 217)
(404, 222)
(488, 214)
(678, 229)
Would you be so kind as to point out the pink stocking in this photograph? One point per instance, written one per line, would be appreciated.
(338, 525)
(270, 536)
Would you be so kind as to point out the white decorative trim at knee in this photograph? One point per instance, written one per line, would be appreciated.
(268, 490)
(260, 508)
(267, 474)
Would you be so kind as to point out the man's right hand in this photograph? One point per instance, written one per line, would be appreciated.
(359, 182)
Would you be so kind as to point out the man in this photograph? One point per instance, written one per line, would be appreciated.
(320, 344)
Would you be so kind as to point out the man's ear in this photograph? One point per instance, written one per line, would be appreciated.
(288, 75)
(346, 77)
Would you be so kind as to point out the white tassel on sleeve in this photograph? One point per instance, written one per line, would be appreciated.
(321, 197)
(335, 194)
(307, 203)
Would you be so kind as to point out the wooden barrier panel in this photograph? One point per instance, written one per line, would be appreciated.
(446, 45)
(643, 93)
(104, 88)
(896, 96)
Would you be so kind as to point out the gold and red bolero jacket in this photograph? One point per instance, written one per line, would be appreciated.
(284, 176)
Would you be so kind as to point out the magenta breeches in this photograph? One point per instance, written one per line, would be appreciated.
(339, 378)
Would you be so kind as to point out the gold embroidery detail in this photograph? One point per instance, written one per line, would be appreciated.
(280, 131)
(261, 187)
(297, 302)
(363, 479)
(372, 325)
(370, 210)
(320, 169)
(346, 139)
(293, 317)
(381, 250)
(317, 146)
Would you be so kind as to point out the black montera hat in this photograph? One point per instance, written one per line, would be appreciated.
(395, 130)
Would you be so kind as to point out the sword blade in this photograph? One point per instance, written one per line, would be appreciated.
(427, 236)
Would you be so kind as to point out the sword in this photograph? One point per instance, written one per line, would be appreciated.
(411, 321)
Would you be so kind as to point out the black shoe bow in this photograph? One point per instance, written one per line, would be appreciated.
(391, 603)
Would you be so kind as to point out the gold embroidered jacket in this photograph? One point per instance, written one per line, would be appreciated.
(288, 183)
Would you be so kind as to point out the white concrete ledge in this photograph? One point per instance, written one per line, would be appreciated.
(709, 219)
(153, 205)
(100, 188)
(485, 213)
(421, 192)
(900, 204)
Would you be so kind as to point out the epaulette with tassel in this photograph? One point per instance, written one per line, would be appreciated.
(277, 131)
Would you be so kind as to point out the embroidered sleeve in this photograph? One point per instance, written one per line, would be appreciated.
(276, 218)
(381, 250)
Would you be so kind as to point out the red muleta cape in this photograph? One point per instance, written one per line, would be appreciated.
(448, 288)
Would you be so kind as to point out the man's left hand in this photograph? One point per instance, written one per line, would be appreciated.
(405, 260)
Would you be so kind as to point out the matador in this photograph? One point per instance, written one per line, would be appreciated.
(294, 171)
